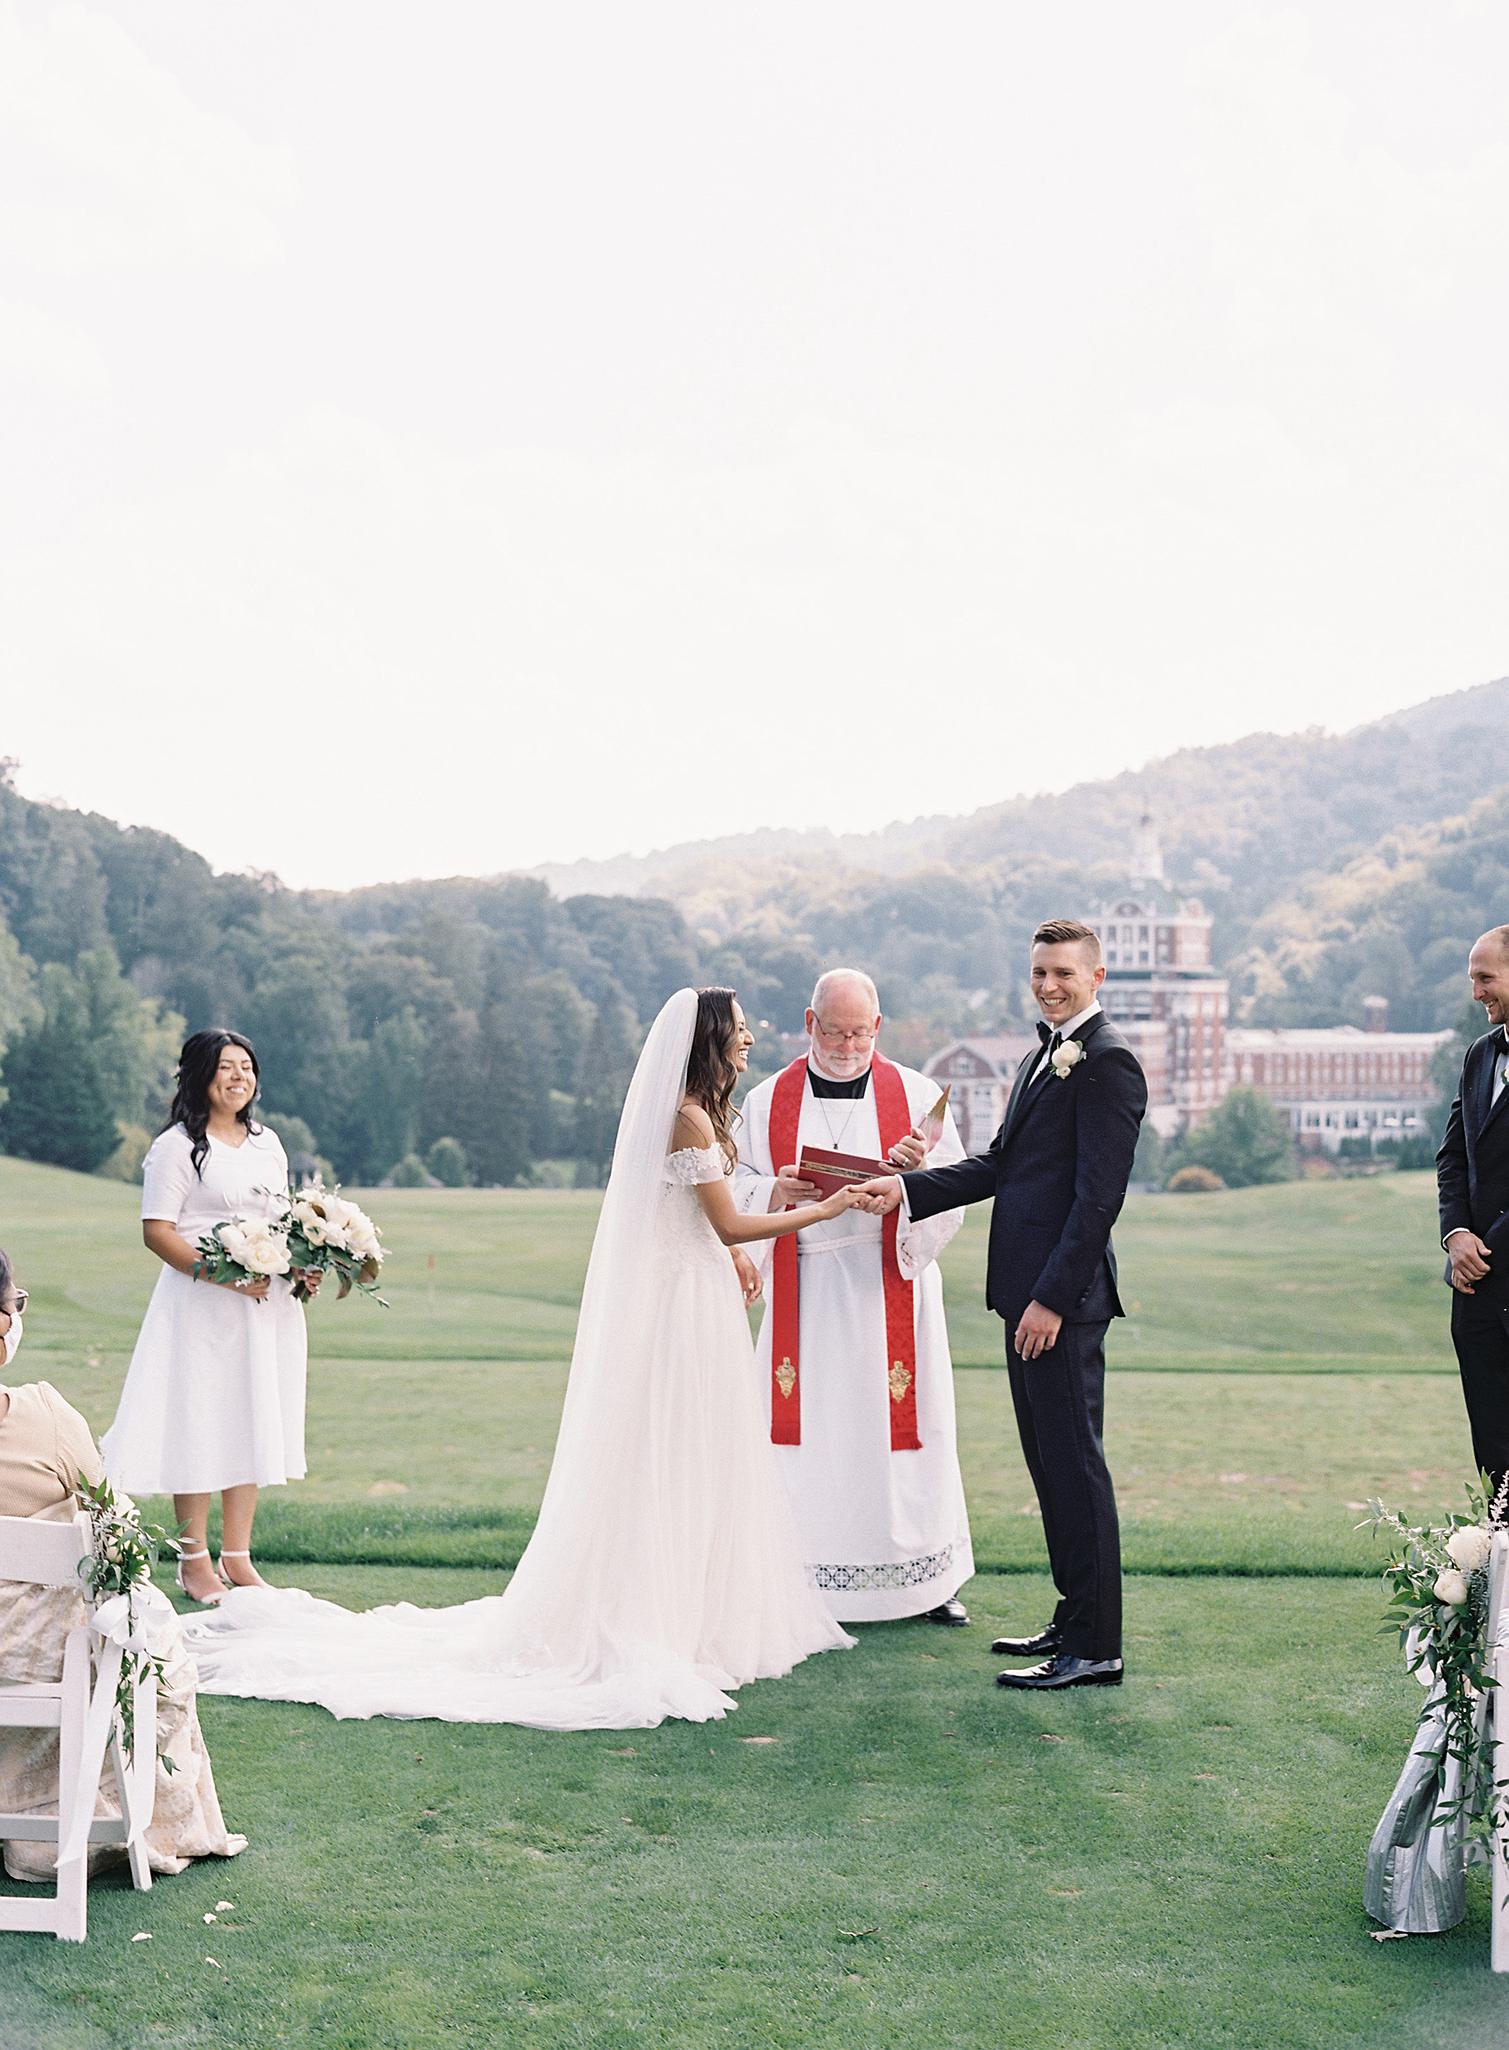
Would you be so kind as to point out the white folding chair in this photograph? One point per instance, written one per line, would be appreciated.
(81, 1707)
(1498, 1724)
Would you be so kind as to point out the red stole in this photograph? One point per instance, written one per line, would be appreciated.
(895, 1116)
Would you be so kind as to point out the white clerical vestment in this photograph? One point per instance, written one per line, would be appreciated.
(884, 1533)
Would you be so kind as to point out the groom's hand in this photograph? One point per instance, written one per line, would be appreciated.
(880, 1196)
(1469, 1260)
(1037, 1333)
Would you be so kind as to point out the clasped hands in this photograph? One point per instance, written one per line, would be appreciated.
(256, 1290)
(1470, 1260)
(906, 1154)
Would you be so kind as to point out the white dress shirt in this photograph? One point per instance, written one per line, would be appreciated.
(1066, 1032)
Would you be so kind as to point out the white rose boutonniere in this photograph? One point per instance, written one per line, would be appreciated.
(1065, 1057)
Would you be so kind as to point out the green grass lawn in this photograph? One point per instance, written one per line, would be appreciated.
(916, 1858)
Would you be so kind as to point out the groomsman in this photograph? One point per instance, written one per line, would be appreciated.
(1057, 1173)
(1472, 1178)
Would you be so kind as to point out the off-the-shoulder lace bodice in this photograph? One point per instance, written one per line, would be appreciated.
(695, 1164)
(688, 1238)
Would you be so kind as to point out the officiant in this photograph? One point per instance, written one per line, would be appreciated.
(853, 1352)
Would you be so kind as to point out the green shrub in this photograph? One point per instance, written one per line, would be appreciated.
(1189, 1181)
(1244, 1140)
(446, 1161)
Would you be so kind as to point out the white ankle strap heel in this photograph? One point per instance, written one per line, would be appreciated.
(205, 1601)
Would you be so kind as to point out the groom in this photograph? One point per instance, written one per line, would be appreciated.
(1057, 1170)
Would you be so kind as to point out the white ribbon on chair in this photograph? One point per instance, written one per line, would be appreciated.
(137, 1625)
(141, 1622)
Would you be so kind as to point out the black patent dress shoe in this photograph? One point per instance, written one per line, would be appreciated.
(1045, 1642)
(1065, 1669)
(951, 1613)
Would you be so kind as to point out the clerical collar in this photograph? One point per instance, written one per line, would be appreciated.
(822, 1085)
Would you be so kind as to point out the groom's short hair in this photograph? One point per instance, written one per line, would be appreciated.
(1060, 932)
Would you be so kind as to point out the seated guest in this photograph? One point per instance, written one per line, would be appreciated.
(45, 1453)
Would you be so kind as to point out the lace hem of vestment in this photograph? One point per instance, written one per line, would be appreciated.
(903, 1573)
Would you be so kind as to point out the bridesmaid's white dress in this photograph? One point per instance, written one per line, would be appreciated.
(663, 1573)
(215, 1392)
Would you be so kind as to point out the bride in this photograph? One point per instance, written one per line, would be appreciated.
(663, 1570)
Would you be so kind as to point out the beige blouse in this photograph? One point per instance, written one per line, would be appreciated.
(45, 1450)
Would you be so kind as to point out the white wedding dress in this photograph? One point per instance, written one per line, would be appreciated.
(663, 1571)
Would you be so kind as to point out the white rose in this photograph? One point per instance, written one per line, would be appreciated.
(312, 1221)
(266, 1253)
(236, 1240)
(1470, 1546)
(361, 1236)
(1067, 1056)
(338, 1215)
(1450, 1587)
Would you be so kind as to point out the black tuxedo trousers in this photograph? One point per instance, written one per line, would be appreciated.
(1060, 1403)
(1480, 1336)
(1472, 1176)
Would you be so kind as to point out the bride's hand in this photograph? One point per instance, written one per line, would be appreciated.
(842, 1199)
(749, 1275)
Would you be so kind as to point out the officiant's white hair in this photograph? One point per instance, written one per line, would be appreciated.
(834, 978)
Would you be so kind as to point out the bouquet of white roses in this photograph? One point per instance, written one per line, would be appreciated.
(328, 1233)
(242, 1250)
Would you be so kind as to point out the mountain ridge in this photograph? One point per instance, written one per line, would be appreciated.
(1086, 822)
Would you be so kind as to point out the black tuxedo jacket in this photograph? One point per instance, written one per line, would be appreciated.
(1472, 1167)
(1058, 1170)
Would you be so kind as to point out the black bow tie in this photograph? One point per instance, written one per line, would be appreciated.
(1047, 1034)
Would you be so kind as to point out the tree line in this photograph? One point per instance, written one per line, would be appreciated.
(483, 1029)
(465, 1029)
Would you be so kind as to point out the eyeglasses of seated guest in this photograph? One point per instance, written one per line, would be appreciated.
(13, 1301)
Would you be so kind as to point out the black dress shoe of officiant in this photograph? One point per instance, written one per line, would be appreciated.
(1029, 1647)
(951, 1613)
(1065, 1669)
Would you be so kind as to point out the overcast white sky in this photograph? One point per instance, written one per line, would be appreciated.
(440, 439)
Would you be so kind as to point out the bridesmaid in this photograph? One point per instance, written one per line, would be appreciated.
(214, 1398)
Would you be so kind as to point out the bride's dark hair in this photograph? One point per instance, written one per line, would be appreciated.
(711, 1076)
(196, 1070)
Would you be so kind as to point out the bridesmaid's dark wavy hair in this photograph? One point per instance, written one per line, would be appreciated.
(711, 1076)
(196, 1070)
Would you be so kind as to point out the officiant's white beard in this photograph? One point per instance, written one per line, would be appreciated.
(838, 1067)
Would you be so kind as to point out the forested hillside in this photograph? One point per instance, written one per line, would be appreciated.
(505, 1017)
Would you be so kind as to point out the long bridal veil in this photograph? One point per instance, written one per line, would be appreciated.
(600, 1627)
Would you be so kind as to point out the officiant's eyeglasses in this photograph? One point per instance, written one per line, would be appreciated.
(859, 1038)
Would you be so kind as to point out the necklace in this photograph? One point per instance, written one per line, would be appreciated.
(836, 1139)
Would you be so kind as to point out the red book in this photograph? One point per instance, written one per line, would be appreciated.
(833, 1171)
